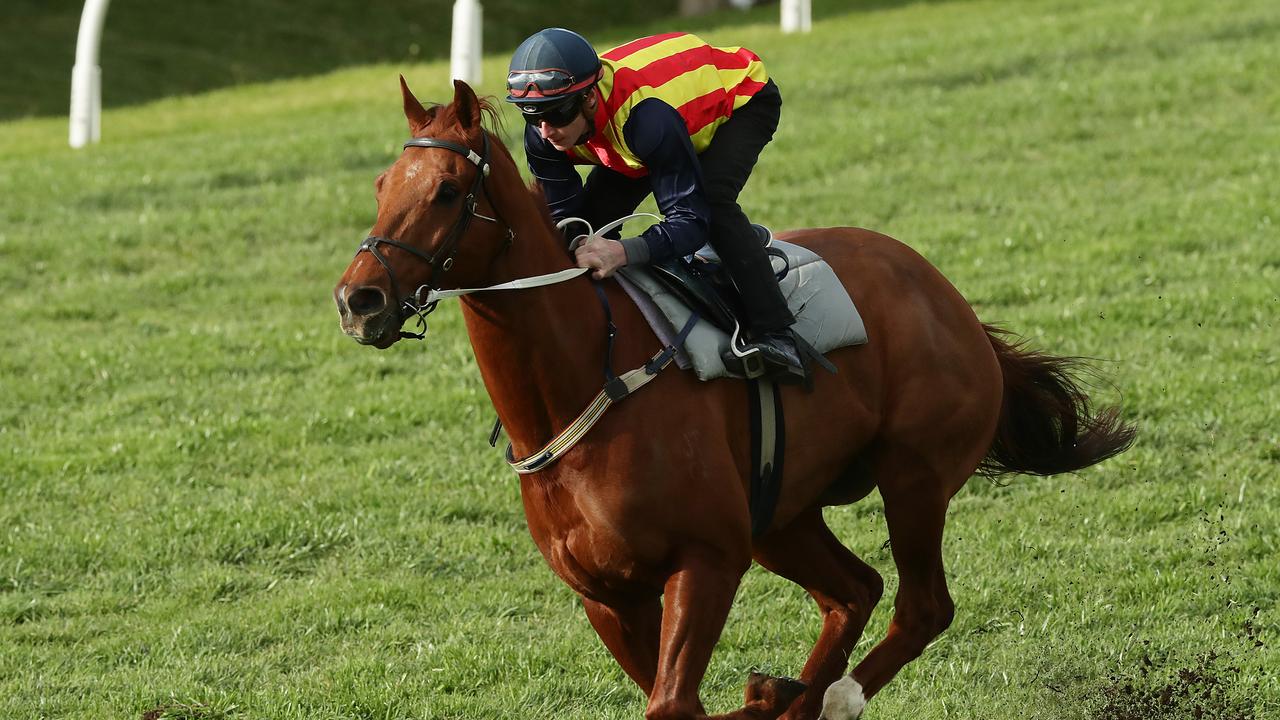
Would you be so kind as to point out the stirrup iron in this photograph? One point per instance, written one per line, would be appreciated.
(751, 363)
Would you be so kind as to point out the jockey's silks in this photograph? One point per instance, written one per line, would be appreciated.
(705, 84)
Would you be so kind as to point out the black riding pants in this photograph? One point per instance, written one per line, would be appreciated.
(726, 164)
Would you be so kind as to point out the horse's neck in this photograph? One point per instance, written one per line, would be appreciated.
(540, 350)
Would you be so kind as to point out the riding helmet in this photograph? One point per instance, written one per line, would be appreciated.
(550, 66)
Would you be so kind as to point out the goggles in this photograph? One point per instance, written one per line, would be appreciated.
(539, 83)
(556, 115)
(545, 83)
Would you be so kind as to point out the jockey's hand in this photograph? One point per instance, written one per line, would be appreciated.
(602, 255)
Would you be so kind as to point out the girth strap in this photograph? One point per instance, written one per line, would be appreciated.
(768, 447)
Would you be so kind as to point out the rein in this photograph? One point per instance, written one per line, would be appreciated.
(434, 296)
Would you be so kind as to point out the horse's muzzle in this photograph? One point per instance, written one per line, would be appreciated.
(366, 317)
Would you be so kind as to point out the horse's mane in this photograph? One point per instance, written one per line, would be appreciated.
(493, 123)
(491, 116)
(539, 198)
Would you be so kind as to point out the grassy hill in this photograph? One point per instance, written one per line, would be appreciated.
(153, 48)
(214, 505)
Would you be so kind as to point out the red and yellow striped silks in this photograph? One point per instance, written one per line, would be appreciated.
(704, 83)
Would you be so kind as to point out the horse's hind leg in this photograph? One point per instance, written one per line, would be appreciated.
(845, 588)
(915, 508)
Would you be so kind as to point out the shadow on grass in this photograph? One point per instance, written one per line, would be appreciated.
(157, 48)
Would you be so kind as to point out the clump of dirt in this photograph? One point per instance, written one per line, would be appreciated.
(1162, 683)
(1203, 691)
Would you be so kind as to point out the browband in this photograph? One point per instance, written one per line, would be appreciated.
(462, 150)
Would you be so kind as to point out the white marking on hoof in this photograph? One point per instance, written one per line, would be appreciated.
(843, 700)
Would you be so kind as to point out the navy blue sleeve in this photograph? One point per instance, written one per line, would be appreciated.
(560, 180)
(657, 135)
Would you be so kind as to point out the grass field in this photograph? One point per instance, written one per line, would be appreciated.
(158, 48)
(214, 505)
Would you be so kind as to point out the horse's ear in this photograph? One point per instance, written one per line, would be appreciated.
(466, 105)
(418, 116)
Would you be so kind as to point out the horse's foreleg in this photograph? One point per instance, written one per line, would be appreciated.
(696, 602)
(915, 513)
(631, 633)
(845, 588)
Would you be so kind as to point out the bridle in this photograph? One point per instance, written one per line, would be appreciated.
(442, 259)
(425, 299)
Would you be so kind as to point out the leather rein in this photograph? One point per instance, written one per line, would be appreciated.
(442, 259)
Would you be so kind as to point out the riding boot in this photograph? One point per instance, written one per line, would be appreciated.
(767, 347)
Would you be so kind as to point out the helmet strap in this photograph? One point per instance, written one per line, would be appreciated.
(588, 111)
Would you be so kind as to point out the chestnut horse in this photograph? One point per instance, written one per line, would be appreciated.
(647, 518)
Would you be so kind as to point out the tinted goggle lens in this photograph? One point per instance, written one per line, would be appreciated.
(556, 116)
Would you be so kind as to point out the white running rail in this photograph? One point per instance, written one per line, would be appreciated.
(86, 76)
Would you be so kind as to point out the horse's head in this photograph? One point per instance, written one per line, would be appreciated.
(434, 213)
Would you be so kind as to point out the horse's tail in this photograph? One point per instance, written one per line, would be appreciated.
(1046, 423)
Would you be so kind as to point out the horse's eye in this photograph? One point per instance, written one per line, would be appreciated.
(447, 193)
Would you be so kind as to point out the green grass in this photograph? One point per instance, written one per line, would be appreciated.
(157, 48)
(215, 505)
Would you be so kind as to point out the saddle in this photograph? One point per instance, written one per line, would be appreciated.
(701, 282)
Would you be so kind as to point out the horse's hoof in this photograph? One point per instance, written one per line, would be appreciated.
(843, 700)
(778, 692)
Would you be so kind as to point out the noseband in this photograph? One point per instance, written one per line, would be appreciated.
(442, 259)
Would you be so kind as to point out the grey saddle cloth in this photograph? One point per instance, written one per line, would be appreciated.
(825, 315)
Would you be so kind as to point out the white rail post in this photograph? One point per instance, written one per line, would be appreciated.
(797, 16)
(465, 50)
(86, 76)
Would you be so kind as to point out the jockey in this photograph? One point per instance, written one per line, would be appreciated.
(668, 115)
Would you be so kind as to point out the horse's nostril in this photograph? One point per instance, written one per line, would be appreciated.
(367, 301)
